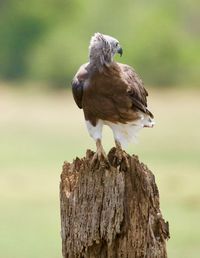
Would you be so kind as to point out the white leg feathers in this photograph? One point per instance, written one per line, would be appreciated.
(95, 131)
(123, 133)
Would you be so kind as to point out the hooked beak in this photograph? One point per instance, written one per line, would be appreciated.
(120, 51)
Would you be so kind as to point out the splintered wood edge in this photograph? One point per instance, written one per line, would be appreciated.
(70, 175)
(144, 184)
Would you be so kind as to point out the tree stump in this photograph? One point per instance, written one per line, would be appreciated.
(111, 211)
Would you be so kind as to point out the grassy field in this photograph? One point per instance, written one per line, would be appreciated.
(40, 130)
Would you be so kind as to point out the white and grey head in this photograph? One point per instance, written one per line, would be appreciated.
(102, 50)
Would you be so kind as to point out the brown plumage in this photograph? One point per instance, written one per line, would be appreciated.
(109, 92)
(115, 94)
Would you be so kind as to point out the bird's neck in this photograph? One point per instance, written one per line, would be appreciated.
(98, 62)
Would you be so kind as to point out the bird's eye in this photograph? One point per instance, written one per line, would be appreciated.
(116, 44)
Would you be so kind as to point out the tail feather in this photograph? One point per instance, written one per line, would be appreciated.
(147, 121)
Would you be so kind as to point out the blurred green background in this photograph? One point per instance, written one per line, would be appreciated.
(42, 44)
(46, 40)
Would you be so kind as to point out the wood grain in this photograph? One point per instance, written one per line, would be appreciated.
(111, 211)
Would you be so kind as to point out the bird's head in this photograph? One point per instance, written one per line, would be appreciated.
(103, 48)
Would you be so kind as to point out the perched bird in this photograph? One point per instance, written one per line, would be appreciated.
(112, 94)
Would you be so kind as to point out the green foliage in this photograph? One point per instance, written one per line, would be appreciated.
(48, 40)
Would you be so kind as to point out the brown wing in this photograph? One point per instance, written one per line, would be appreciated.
(78, 84)
(135, 88)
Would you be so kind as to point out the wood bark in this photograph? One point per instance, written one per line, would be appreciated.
(111, 211)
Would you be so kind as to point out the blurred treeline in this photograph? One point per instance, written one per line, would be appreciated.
(47, 40)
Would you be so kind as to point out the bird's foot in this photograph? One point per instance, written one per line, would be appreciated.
(120, 158)
(100, 158)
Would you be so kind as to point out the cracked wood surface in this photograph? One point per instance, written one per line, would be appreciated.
(111, 211)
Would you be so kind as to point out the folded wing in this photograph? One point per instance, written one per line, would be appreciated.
(78, 84)
(135, 89)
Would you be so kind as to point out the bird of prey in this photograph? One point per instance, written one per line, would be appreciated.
(112, 94)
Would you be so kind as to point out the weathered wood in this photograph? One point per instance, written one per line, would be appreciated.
(111, 211)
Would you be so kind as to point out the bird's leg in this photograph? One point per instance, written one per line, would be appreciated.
(120, 154)
(100, 151)
(100, 154)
